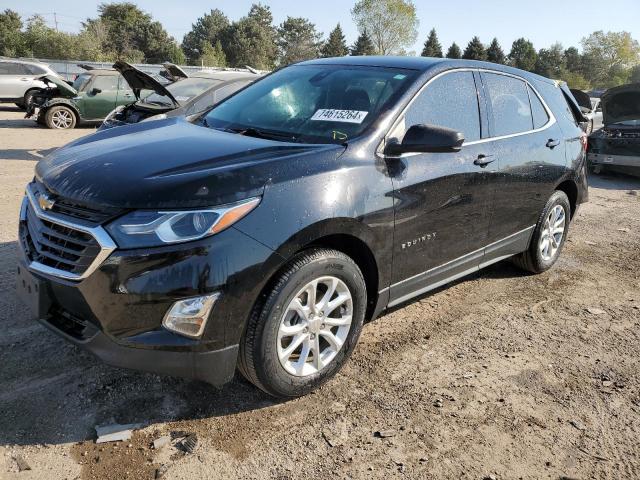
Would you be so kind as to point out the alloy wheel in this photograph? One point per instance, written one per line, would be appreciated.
(61, 119)
(552, 233)
(314, 326)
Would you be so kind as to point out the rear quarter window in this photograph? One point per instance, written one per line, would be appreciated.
(540, 115)
(36, 70)
(556, 100)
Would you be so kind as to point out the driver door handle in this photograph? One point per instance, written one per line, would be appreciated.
(551, 143)
(483, 160)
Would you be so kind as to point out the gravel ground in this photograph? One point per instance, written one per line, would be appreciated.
(501, 374)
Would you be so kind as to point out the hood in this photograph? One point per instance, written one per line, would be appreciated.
(139, 80)
(173, 164)
(583, 99)
(621, 104)
(64, 88)
(173, 72)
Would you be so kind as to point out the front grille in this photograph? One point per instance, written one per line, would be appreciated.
(57, 246)
(71, 208)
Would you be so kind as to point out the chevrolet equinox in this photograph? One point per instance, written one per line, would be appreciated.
(261, 234)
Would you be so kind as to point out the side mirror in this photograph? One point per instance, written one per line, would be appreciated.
(428, 139)
(95, 91)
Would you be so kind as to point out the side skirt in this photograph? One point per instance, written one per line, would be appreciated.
(460, 267)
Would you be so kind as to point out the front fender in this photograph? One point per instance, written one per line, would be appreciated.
(67, 102)
(354, 199)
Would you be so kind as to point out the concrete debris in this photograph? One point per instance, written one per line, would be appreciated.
(161, 471)
(158, 443)
(595, 311)
(22, 463)
(115, 432)
(337, 434)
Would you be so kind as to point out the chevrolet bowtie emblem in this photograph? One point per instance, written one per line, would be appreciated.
(45, 202)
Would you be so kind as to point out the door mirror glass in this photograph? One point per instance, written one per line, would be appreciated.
(428, 138)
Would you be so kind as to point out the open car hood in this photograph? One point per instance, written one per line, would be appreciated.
(621, 104)
(138, 81)
(65, 89)
(173, 72)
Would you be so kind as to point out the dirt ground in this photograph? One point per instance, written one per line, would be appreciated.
(501, 375)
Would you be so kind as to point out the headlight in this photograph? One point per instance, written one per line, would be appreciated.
(160, 116)
(114, 112)
(150, 228)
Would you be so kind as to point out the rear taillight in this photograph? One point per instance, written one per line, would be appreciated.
(584, 141)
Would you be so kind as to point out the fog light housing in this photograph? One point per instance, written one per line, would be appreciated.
(188, 317)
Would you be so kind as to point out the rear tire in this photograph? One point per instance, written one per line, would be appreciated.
(28, 99)
(548, 237)
(302, 314)
(60, 117)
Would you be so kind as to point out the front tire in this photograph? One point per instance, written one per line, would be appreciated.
(60, 118)
(306, 326)
(548, 237)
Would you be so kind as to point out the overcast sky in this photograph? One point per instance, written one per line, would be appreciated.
(541, 21)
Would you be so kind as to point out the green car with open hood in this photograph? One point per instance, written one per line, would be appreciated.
(92, 96)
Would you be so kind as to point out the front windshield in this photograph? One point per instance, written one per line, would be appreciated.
(183, 90)
(312, 103)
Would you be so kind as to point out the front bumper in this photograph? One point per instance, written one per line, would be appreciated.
(216, 367)
(116, 311)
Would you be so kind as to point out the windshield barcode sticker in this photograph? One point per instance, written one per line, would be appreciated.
(347, 116)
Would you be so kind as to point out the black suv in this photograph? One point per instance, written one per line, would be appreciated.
(264, 232)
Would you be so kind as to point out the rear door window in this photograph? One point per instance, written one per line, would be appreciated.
(10, 68)
(509, 103)
(540, 115)
(450, 101)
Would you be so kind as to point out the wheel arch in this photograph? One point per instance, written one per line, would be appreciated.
(362, 255)
(62, 103)
(344, 235)
(570, 188)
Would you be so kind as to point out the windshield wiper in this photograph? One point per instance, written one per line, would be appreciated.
(254, 132)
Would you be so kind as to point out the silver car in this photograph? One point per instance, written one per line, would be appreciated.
(19, 80)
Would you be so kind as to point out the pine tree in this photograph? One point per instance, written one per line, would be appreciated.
(495, 53)
(335, 46)
(212, 56)
(475, 50)
(454, 51)
(523, 55)
(432, 47)
(363, 45)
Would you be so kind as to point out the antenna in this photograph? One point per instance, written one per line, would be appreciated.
(55, 20)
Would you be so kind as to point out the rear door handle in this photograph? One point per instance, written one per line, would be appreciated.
(483, 160)
(551, 143)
